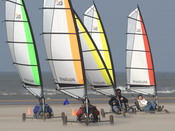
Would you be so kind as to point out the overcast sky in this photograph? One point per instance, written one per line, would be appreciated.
(158, 15)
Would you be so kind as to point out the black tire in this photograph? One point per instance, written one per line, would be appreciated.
(111, 119)
(23, 117)
(87, 121)
(65, 120)
(102, 113)
(63, 115)
(124, 114)
(134, 110)
(44, 116)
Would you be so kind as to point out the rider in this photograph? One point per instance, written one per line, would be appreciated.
(38, 109)
(118, 102)
(92, 111)
(147, 106)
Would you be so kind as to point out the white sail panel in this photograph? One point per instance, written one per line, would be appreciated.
(139, 65)
(138, 60)
(62, 47)
(22, 46)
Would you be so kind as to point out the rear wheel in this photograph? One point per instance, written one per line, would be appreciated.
(111, 118)
(87, 121)
(65, 120)
(24, 117)
(124, 114)
(62, 115)
(102, 113)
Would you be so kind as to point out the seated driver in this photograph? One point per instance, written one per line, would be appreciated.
(92, 111)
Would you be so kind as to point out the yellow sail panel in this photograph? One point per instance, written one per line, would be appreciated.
(94, 53)
(105, 54)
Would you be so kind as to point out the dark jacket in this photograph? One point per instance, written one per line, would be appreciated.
(115, 100)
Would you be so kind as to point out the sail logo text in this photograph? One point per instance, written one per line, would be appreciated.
(59, 2)
(95, 28)
(138, 30)
(66, 79)
(99, 83)
(18, 16)
(140, 81)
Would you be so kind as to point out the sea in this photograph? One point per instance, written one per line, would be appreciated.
(12, 91)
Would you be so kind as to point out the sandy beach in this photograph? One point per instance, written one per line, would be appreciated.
(10, 120)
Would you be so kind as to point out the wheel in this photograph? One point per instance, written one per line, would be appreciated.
(24, 117)
(62, 115)
(111, 118)
(44, 116)
(102, 113)
(87, 121)
(65, 120)
(134, 110)
(124, 114)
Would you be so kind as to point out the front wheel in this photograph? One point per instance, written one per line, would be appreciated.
(63, 115)
(87, 121)
(111, 118)
(65, 120)
(102, 113)
(23, 117)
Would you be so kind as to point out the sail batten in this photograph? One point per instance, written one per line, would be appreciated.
(22, 46)
(139, 62)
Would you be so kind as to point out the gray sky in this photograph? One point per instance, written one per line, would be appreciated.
(158, 16)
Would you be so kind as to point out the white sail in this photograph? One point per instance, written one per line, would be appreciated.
(63, 47)
(139, 63)
(96, 70)
(95, 28)
(22, 46)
